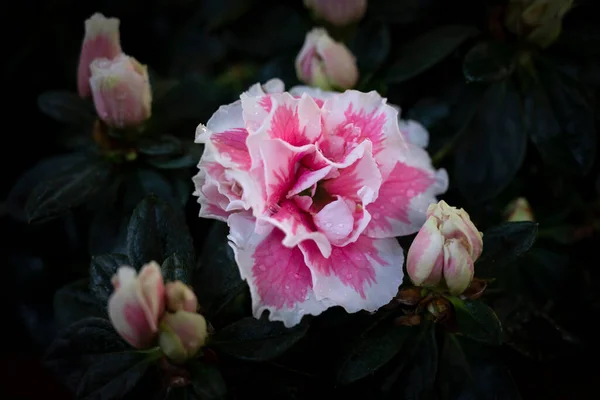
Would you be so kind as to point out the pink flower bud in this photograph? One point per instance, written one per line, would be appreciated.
(519, 210)
(180, 297)
(338, 12)
(445, 249)
(121, 91)
(101, 41)
(182, 334)
(325, 63)
(137, 304)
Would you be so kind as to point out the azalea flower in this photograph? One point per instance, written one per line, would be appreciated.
(315, 186)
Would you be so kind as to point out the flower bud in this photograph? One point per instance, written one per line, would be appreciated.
(538, 21)
(519, 210)
(445, 249)
(338, 12)
(121, 91)
(180, 297)
(325, 63)
(101, 41)
(182, 334)
(137, 304)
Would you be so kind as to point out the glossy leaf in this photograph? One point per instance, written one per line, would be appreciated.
(66, 107)
(375, 348)
(74, 302)
(427, 50)
(257, 339)
(102, 269)
(67, 189)
(161, 146)
(489, 62)
(477, 321)
(181, 161)
(173, 269)
(493, 148)
(207, 382)
(156, 231)
(95, 363)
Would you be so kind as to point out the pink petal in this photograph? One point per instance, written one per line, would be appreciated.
(278, 277)
(402, 202)
(153, 289)
(458, 267)
(129, 313)
(359, 182)
(425, 258)
(231, 145)
(335, 220)
(307, 178)
(363, 275)
(297, 227)
(355, 117)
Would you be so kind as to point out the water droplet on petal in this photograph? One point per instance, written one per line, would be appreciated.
(329, 225)
(262, 267)
(376, 215)
(349, 275)
(410, 193)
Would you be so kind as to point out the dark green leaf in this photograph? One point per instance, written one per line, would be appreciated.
(220, 12)
(161, 146)
(74, 302)
(257, 339)
(489, 62)
(40, 172)
(102, 269)
(477, 321)
(394, 11)
(427, 50)
(156, 231)
(374, 349)
(158, 183)
(455, 378)
(574, 116)
(66, 107)
(493, 147)
(92, 360)
(108, 229)
(181, 393)
(217, 279)
(417, 381)
(173, 269)
(502, 244)
(182, 161)
(371, 46)
(207, 382)
(67, 189)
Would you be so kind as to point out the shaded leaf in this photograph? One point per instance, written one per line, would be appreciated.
(207, 382)
(182, 161)
(67, 189)
(93, 361)
(156, 231)
(375, 348)
(173, 269)
(161, 146)
(427, 50)
(371, 47)
(489, 62)
(417, 381)
(102, 269)
(393, 11)
(66, 107)
(493, 148)
(158, 183)
(217, 280)
(74, 302)
(574, 116)
(477, 321)
(257, 339)
(221, 12)
(502, 244)
(42, 171)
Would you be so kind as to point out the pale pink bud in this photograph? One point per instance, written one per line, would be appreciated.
(101, 41)
(325, 63)
(182, 334)
(137, 304)
(121, 91)
(425, 259)
(519, 210)
(447, 247)
(338, 12)
(180, 297)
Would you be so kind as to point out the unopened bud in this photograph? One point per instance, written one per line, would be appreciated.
(182, 334)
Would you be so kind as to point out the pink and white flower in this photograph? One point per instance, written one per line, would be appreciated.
(315, 186)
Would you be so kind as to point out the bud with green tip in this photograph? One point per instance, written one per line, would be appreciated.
(182, 335)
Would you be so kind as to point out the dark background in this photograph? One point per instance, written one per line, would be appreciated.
(41, 42)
